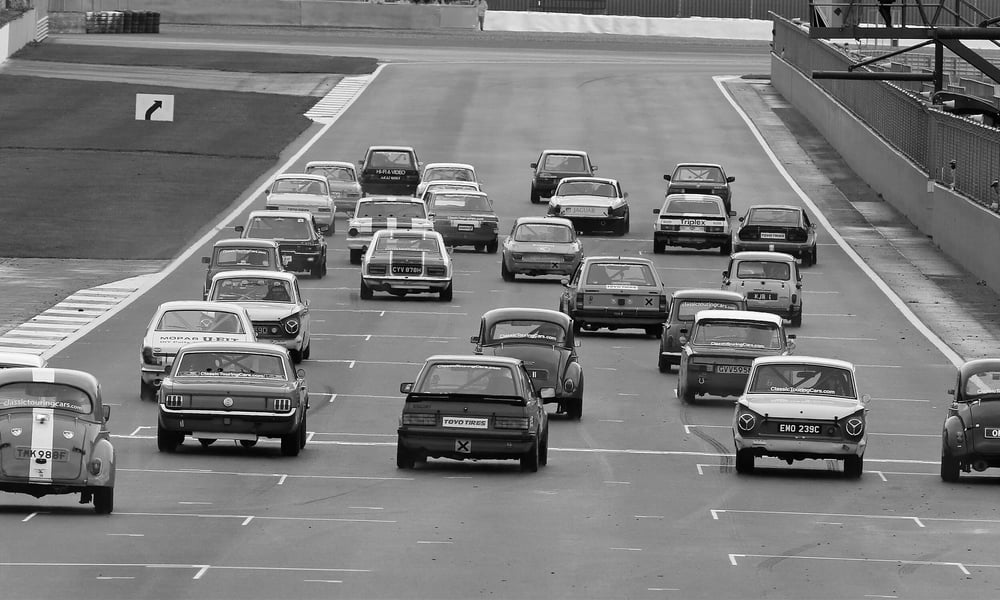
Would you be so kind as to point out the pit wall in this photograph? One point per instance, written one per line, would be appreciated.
(964, 230)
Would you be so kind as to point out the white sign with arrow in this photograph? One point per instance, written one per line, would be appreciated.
(154, 107)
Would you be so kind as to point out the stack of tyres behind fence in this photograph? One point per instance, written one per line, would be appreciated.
(122, 21)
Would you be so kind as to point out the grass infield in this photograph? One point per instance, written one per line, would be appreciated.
(81, 178)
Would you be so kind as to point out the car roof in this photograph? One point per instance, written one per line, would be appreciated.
(545, 221)
(564, 151)
(231, 307)
(670, 197)
(391, 148)
(255, 273)
(407, 233)
(591, 179)
(446, 191)
(707, 294)
(287, 214)
(474, 359)
(451, 165)
(254, 347)
(800, 359)
(246, 243)
(311, 176)
(763, 255)
(517, 312)
(979, 364)
(618, 259)
(330, 163)
(81, 379)
(401, 199)
(697, 164)
(737, 315)
(26, 359)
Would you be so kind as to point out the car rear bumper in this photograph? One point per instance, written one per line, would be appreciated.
(480, 444)
(798, 448)
(785, 312)
(453, 237)
(387, 284)
(395, 188)
(13, 485)
(359, 242)
(610, 318)
(796, 249)
(298, 261)
(221, 424)
(691, 240)
(553, 267)
(715, 384)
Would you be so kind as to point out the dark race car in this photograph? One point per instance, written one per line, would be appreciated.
(302, 247)
(777, 228)
(544, 340)
(615, 292)
(971, 434)
(473, 407)
(390, 170)
(464, 218)
(683, 306)
(701, 178)
(552, 166)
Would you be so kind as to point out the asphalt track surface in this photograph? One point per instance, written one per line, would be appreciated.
(640, 499)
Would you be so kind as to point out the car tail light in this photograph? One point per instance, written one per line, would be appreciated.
(271, 207)
(173, 401)
(419, 419)
(794, 298)
(715, 229)
(282, 404)
(663, 302)
(516, 256)
(666, 227)
(579, 299)
(376, 269)
(569, 257)
(94, 466)
(325, 210)
(510, 422)
(150, 358)
(438, 271)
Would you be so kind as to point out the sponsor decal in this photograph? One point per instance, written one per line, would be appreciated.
(67, 434)
(801, 390)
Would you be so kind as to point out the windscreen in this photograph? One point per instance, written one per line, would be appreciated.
(243, 257)
(386, 210)
(200, 320)
(449, 174)
(45, 395)
(334, 173)
(279, 228)
(781, 217)
(251, 289)
(982, 383)
(587, 188)
(812, 380)
(566, 163)
(387, 243)
(298, 186)
(229, 364)
(699, 207)
(458, 202)
(527, 331)
(390, 159)
(737, 334)
(698, 174)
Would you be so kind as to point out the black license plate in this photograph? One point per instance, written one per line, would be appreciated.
(732, 369)
(261, 331)
(800, 428)
(406, 269)
(762, 296)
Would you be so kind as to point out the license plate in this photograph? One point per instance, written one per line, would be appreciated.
(762, 296)
(692, 229)
(733, 369)
(992, 433)
(406, 269)
(29, 453)
(466, 227)
(465, 422)
(772, 236)
(584, 211)
(259, 331)
(800, 428)
(538, 258)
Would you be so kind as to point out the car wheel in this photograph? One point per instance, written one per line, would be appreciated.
(355, 256)
(366, 292)
(951, 468)
(493, 246)
(529, 461)
(628, 225)
(535, 198)
(854, 466)
(303, 433)
(404, 460)
(446, 293)
(543, 450)
(726, 249)
(574, 408)
(684, 393)
(167, 441)
(797, 319)
(815, 253)
(654, 330)
(744, 461)
(206, 442)
(480, 247)
(248, 443)
(308, 351)
(104, 500)
(658, 247)
(290, 443)
(317, 271)
(506, 273)
(664, 364)
(147, 391)
(329, 230)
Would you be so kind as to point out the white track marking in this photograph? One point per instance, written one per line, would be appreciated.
(961, 567)
(784, 513)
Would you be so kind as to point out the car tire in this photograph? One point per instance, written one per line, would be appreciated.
(726, 249)
(104, 500)
(366, 292)
(664, 364)
(506, 273)
(206, 442)
(543, 450)
(684, 393)
(404, 460)
(167, 441)
(308, 351)
(744, 461)
(329, 230)
(317, 272)
(147, 391)
(654, 330)
(303, 433)
(574, 408)
(628, 223)
(290, 443)
(296, 356)
(797, 319)
(854, 466)
(951, 468)
(355, 256)
(535, 198)
(659, 247)
(815, 254)
(480, 247)
(493, 246)
(529, 460)
(447, 293)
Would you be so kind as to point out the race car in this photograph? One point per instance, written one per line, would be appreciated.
(389, 170)
(970, 437)
(777, 228)
(303, 192)
(241, 254)
(591, 203)
(539, 246)
(552, 165)
(406, 261)
(236, 391)
(464, 218)
(701, 178)
(770, 281)
(444, 171)
(53, 425)
(692, 221)
(681, 309)
(9, 360)
(374, 213)
(615, 292)
(342, 178)
(301, 247)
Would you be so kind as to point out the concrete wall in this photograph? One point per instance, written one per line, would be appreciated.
(16, 34)
(962, 229)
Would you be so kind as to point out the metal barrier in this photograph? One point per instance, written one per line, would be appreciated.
(725, 9)
(932, 138)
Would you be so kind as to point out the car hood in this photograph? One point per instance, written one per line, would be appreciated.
(230, 385)
(599, 201)
(794, 406)
(269, 311)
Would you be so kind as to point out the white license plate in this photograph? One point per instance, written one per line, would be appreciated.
(733, 369)
(588, 211)
(28, 453)
(466, 227)
(465, 422)
(692, 229)
(286, 259)
(772, 236)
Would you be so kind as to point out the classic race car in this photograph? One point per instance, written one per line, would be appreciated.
(715, 359)
(544, 340)
(444, 171)
(181, 322)
(777, 228)
(540, 246)
(303, 192)
(681, 309)
(407, 261)
(591, 203)
(801, 407)
(701, 178)
(447, 184)
(464, 218)
(241, 254)
(770, 281)
(970, 438)
(374, 213)
(473, 407)
(393, 170)
(552, 166)
(342, 177)
(53, 429)
(692, 221)
(301, 247)
(275, 304)
(616, 292)
(233, 390)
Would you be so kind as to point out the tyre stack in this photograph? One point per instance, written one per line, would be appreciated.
(116, 21)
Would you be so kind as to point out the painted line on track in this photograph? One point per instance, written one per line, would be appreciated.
(896, 561)
(200, 570)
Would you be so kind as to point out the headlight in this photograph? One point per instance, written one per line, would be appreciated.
(94, 466)
(746, 421)
(854, 425)
(569, 385)
(291, 325)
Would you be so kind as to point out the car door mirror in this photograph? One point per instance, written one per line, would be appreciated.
(865, 399)
(725, 274)
(206, 259)
(731, 178)
(564, 281)
(666, 177)
(305, 303)
(406, 388)
(107, 412)
(741, 219)
(576, 343)
(238, 228)
(474, 339)
(533, 165)
(625, 195)
(951, 392)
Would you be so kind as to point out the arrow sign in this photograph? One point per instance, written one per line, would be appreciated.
(154, 107)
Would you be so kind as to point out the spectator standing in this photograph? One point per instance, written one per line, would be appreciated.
(481, 8)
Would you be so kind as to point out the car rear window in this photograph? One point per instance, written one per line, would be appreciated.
(406, 244)
(698, 174)
(812, 380)
(251, 289)
(229, 364)
(333, 173)
(448, 173)
(468, 379)
(384, 210)
(531, 331)
(543, 232)
(458, 202)
(298, 186)
(737, 334)
(762, 269)
(200, 320)
(587, 188)
(242, 257)
(620, 273)
(45, 395)
(569, 163)
(279, 228)
(688, 308)
(389, 159)
(700, 207)
(773, 216)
